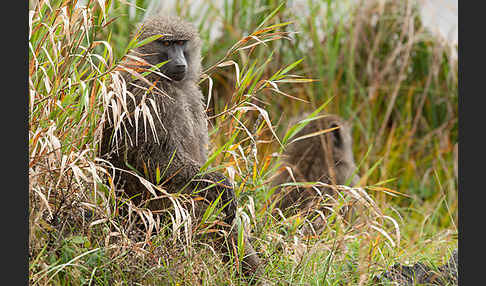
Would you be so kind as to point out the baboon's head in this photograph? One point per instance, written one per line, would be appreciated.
(179, 45)
(314, 156)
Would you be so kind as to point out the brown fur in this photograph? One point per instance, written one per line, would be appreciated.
(182, 131)
(309, 160)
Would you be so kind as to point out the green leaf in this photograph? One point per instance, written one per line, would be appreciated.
(241, 246)
(151, 69)
(147, 40)
(270, 16)
(210, 208)
(291, 66)
(157, 175)
(297, 127)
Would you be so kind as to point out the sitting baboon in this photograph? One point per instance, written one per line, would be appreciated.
(322, 152)
(175, 148)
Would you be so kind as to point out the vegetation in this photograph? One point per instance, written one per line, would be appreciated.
(372, 64)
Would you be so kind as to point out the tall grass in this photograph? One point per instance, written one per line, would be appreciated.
(376, 67)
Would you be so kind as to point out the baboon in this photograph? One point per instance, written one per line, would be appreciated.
(178, 148)
(326, 158)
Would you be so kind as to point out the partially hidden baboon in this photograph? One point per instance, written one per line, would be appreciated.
(322, 152)
(177, 145)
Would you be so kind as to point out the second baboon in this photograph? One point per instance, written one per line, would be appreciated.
(175, 147)
(316, 155)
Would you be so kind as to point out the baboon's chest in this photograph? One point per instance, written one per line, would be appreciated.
(190, 129)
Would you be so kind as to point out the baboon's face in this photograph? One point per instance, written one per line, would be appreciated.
(340, 141)
(174, 54)
(341, 145)
(178, 49)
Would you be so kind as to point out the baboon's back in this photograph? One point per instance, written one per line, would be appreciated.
(324, 154)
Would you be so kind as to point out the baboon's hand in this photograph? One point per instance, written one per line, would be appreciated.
(228, 197)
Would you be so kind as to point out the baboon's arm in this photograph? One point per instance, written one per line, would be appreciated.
(179, 173)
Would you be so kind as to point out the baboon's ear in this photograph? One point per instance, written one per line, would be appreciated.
(336, 134)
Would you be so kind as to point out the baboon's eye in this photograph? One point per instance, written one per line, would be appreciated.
(336, 134)
(180, 43)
